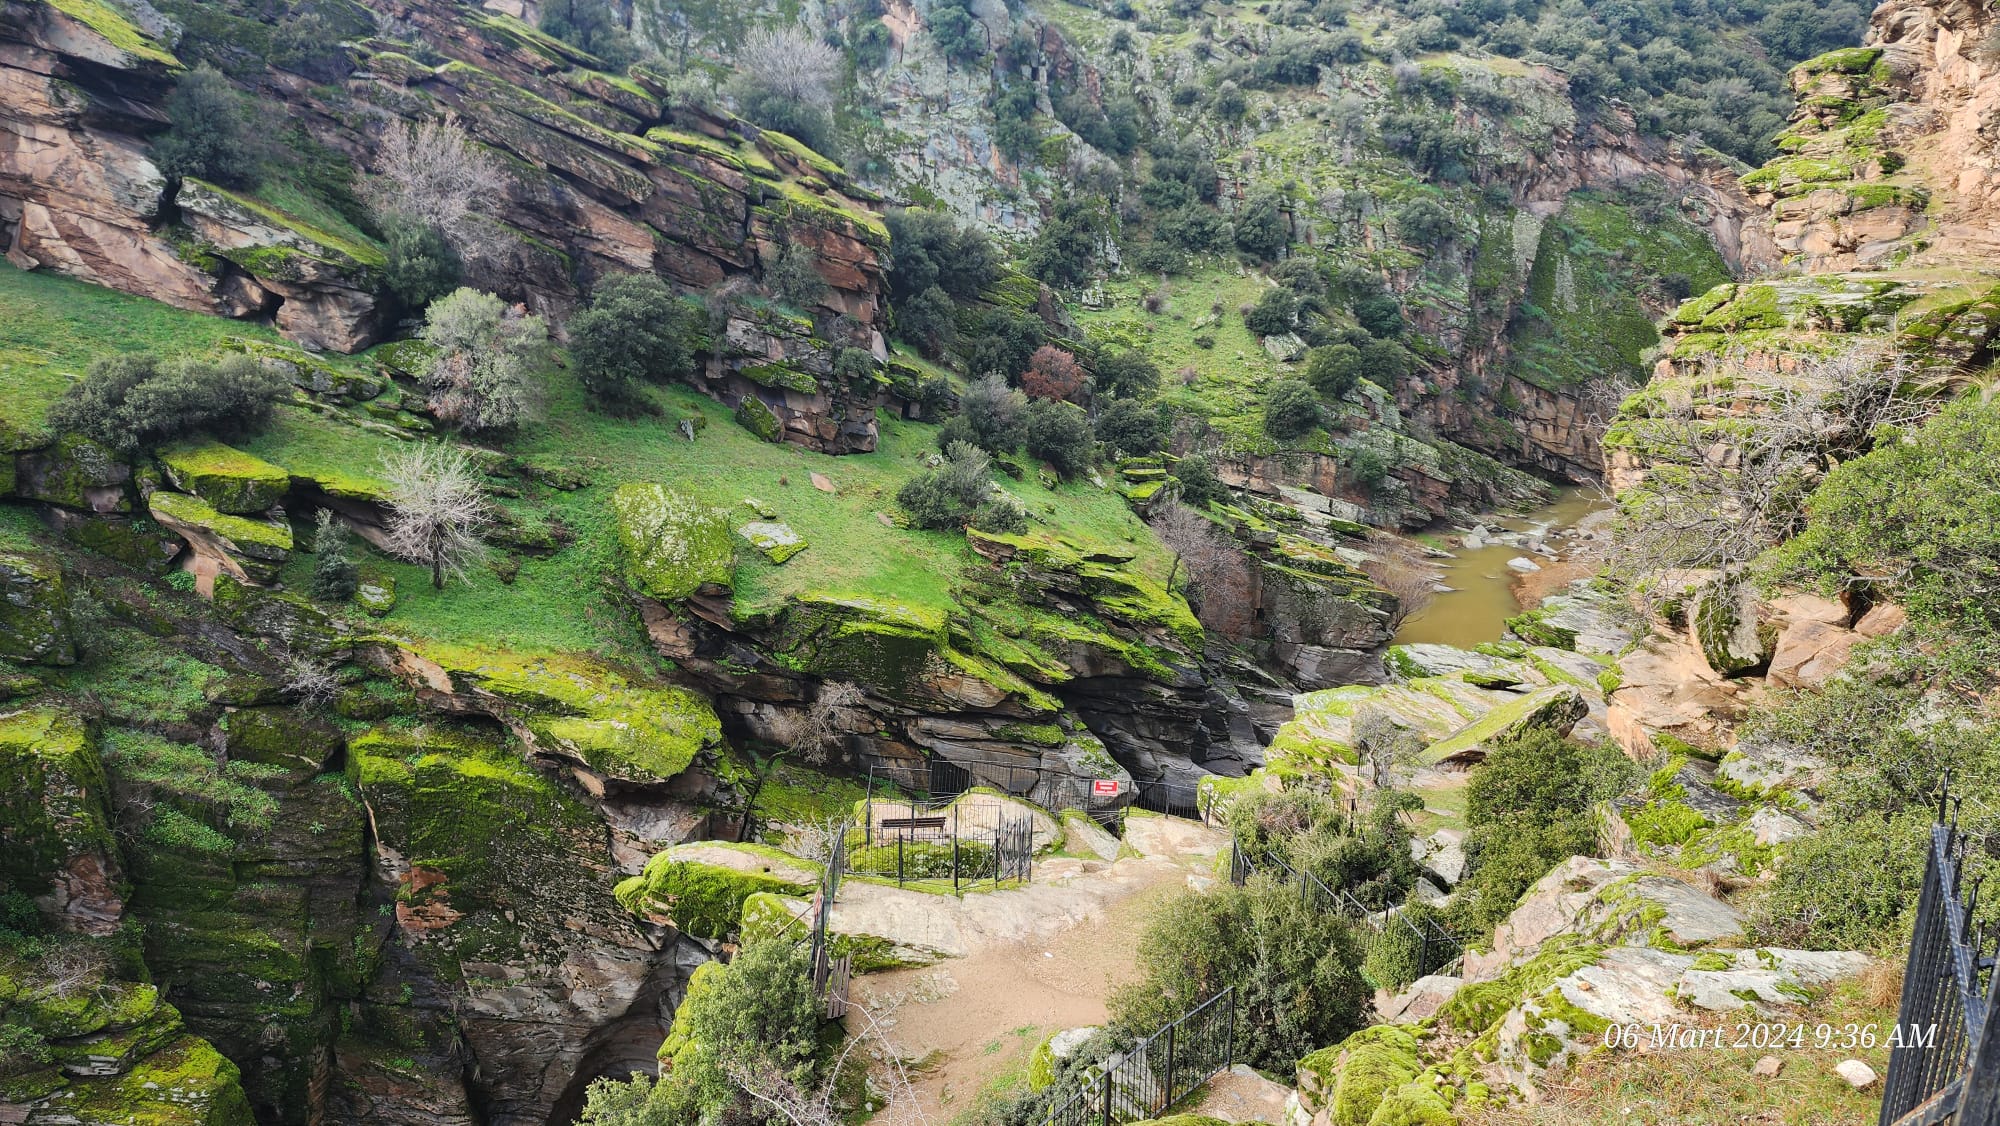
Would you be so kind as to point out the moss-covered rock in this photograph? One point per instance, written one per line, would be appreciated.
(1351, 1078)
(1554, 709)
(776, 542)
(702, 888)
(850, 637)
(34, 611)
(137, 542)
(254, 550)
(753, 415)
(74, 472)
(671, 544)
(230, 480)
(376, 592)
(1722, 616)
(52, 790)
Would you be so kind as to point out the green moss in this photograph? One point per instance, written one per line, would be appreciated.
(187, 1082)
(228, 479)
(1533, 627)
(780, 375)
(706, 900)
(1479, 1006)
(255, 538)
(52, 792)
(1359, 1071)
(1846, 60)
(753, 415)
(345, 249)
(120, 32)
(672, 546)
(1555, 708)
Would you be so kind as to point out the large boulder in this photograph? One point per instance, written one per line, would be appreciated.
(34, 611)
(244, 549)
(230, 480)
(57, 829)
(74, 472)
(672, 545)
(1555, 709)
(1725, 625)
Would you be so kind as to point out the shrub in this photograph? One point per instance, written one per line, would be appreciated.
(592, 25)
(1193, 229)
(999, 514)
(1052, 374)
(1383, 362)
(1260, 227)
(1065, 250)
(1292, 411)
(1199, 485)
(1295, 969)
(135, 401)
(993, 414)
(1849, 885)
(923, 860)
(1059, 433)
(1006, 342)
(1127, 374)
(1379, 313)
(1273, 312)
(634, 331)
(929, 248)
(488, 360)
(1528, 807)
(946, 497)
(208, 137)
(335, 576)
(422, 265)
(926, 320)
(1127, 428)
(793, 276)
(1334, 369)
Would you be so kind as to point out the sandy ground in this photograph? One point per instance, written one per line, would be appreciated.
(1034, 961)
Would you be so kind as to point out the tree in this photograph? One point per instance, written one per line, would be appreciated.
(335, 576)
(1052, 374)
(592, 25)
(931, 249)
(208, 135)
(993, 411)
(487, 362)
(1260, 227)
(1127, 374)
(1379, 313)
(790, 63)
(957, 32)
(1065, 250)
(948, 496)
(1390, 751)
(1129, 429)
(422, 265)
(1424, 222)
(1383, 362)
(1273, 312)
(810, 732)
(926, 320)
(134, 401)
(1204, 554)
(634, 331)
(433, 175)
(793, 276)
(1196, 480)
(437, 509)
(1059, 433)
(1292, 411)
(1528, 808)
(1334, 369)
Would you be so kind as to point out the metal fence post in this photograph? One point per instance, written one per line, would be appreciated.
(1229, 1049)
(1170, 1065)
(1107, 1095)
(899, 861)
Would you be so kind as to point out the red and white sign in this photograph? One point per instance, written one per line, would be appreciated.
(1105, 787)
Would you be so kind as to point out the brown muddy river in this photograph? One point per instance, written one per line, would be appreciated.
(1481, 600)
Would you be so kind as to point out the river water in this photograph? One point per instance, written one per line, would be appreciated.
(1481, 600)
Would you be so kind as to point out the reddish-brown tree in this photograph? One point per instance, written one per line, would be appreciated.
(1052, 374)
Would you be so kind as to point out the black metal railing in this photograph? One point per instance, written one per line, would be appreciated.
(1156, 1074)
(1436, 948)
(830, 971)
(1945, 1065)
(938, 781)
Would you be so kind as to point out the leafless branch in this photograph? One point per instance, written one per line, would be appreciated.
(437, 509)
(790, 62)
(432, 173)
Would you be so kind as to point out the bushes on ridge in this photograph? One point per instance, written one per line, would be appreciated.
(137, 400)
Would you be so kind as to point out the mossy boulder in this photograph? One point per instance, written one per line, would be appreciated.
(759, 419)
(228, 479)
(254, 550)
(1351, 1078)
(376, 592)
(774, 541)
(671, 545)
(1722, 617)
(1554, 709)
(866, 640)
(52, 789)
(297, 743)
(702, 888)
(137, 542)
(34, 611)
(593, 715)
(74, 472)
(186, 1082)
(1535, 628)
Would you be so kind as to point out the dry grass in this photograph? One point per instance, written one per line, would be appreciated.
(1695, 1087)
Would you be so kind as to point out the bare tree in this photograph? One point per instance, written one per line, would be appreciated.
(1390, 750)
(69, 970)
(1403, 573)
(1203, 552)
(798, 1106)
(437, 509)
(812, 731)
(1732, 456)
(433, 174)
(790, 62)
(311, 682)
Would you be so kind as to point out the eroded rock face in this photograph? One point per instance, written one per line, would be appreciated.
(34, 611)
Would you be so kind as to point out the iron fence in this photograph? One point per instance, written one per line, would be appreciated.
(939, 781)
(1156, 1074)
(1944, 1066)
(1437, 948)
(830, 971)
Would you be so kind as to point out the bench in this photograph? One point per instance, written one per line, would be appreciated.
(913, 823)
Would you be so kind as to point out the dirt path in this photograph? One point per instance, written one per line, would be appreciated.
(1035, 961)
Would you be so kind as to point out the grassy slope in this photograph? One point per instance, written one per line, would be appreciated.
(565, 601)
(54, 326)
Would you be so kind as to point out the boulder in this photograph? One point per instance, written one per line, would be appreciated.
(1424, 997)
(1724, 624)
(775, 541)
(672, 546)
(74, 472)
(1554, 709)
(137, 542)
(59, 848)
(34, 611)
(230, 480)
(244, 549)
(325, 284)
(1607, 900)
